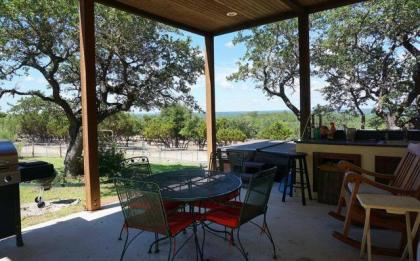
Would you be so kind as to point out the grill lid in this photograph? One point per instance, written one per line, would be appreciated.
(9, 173)
(7, 149)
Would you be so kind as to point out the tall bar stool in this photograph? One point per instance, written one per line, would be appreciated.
(294, 169)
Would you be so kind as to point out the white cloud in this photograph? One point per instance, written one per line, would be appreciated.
(30, 78)
(229, 44)
(220, 77)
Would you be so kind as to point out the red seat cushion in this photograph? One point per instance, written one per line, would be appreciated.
(181, 220)
(211, 204)
(225, 216)
(170, 205)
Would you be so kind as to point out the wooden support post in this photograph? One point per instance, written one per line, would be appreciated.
(89, 117)
(417, 86)
(210, 95)
(305, 76)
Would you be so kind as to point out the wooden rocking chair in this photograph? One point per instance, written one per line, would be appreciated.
(405, 181)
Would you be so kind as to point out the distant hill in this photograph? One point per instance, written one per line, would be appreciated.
(228, 114)
(237, 113)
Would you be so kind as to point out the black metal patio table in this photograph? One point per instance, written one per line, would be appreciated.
(191, 185)
(195, 185)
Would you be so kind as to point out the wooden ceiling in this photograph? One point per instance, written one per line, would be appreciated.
(209, 17)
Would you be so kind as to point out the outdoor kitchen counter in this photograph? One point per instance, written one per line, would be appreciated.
(371, 152)
(382, 143)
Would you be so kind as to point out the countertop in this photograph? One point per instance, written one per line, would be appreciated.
(388, 143)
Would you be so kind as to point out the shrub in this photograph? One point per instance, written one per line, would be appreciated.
(229, 135)
(276, 131)
(110, 159)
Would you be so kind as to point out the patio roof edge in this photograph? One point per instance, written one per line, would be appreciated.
(160, 19)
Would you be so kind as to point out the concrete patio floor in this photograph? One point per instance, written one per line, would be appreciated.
(300, 233)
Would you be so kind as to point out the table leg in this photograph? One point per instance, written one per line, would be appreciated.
(199, 254)
(409, 237)
(413, 235)
(366, 234)
(369, 243)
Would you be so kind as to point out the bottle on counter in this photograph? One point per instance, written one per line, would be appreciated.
(324, 131)
(312, 127)
(332, 131)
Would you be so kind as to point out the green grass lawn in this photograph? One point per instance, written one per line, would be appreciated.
(72, 188)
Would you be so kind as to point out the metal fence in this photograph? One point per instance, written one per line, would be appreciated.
(155, 153)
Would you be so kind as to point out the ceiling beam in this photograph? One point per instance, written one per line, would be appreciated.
(332, 4)
(145, 14)
(292, 4)
(257, 22)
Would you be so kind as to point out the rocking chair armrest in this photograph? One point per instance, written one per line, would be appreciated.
(358, 179)
(352, 177)
(393, 190)
(347, 166)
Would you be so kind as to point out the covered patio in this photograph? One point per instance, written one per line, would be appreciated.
(300, 233)
(208, 19)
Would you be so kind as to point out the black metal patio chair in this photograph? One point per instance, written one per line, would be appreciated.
(143, 209)
(237, 166)
(139, 168)
(136, 167)
(234, 214)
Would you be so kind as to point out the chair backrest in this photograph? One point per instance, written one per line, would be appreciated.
(257, 195)
(407, 174)
(215, 161)
(142, 205)
(236, 161)
(136, 168)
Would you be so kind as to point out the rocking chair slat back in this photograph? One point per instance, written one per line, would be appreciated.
(407, 174)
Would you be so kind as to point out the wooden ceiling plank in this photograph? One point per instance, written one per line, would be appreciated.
(213, 19)
(249, 24)
(136, 11)
(203, 7)
(256, 9)
(294, 6)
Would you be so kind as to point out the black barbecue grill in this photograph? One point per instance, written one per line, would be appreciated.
(12, 173)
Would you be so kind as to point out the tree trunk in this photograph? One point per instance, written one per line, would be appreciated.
(362, 122)
(390, 121)
(73, 163)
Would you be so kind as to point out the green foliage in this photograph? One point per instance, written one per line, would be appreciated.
(139, 63)
(368, 53)
(39, 120)
(375, 122)
(156, 129)
(271, 59)
(195, 130)
(123, 125)
(8, 127)
(110, 159)
(227, 136)
(276, 131)
(176, 116)
(175, 126)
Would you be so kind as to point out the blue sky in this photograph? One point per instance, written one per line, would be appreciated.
(241, 96)
(230, 96)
